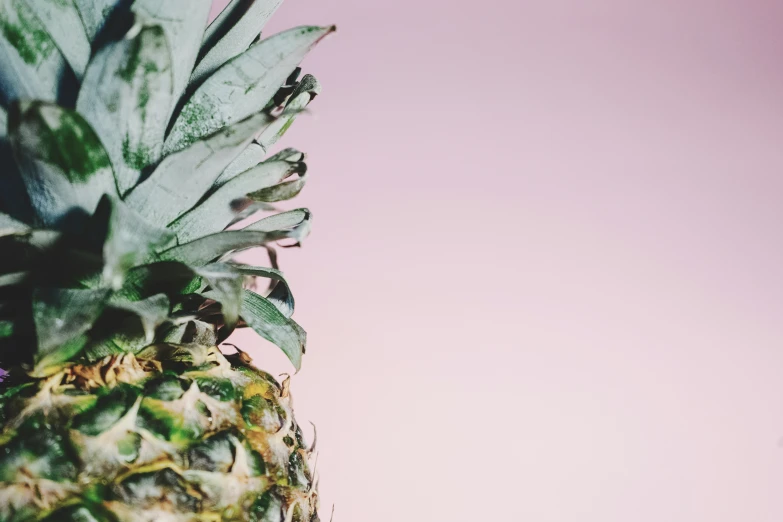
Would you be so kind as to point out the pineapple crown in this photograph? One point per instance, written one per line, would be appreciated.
(133, 142)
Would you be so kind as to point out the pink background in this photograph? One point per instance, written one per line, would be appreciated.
(544, 281)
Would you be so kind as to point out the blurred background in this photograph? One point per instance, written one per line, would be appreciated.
(545, 280)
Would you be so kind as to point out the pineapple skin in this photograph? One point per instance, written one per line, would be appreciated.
(176, 434)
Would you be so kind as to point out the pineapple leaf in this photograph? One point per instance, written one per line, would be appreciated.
(249, 158)
(184, 27)
(11, 227)
(235, 28)
(126, 97)
(181, 179)
(152, 312)
(219, 209)
(281, 295)
(95, 14)
(307, 89)
(264, 317)
(243, 86)
(293, 224)
(281, 192)
(207, 249)
(129, 240)
(63, 22)
(31, 65)
(62, 318)
(226, 288)
(62, 161)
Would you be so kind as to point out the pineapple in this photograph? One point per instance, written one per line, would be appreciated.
(134, 143)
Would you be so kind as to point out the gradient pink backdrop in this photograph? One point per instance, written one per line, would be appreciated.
(544, 281)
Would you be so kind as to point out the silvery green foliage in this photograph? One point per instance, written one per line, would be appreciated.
(235, 28)
(126, 97)
(243, 86)
(140, 135)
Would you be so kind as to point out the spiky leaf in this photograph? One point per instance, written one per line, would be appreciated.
(31, 65)
(9, 226)
(152, 312)
(207, 249)
(184, 27)
(181, 179)
(247, 159)
(281, 295)
(307, 89)
(218, 210)
(264, 317)
(243, 86)
(63, 22)
(226, 284)
(235, 28)
(62, 317)
(129, 241)
(126, 96)
(62, 160)
(96, 13)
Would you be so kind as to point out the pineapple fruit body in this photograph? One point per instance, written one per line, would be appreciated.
(134, 142)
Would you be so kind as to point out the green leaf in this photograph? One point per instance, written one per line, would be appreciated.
(11, 227)
(129, 241)
(264, 317)
(182, 179)
(63, 163)
(226, 284)
(295, 223)
(62, 317)
(307, 89)
(63, 22)
(247, 159)
(207, 249)
(31, 65)
(3, 123)
(184, 26)
(126, 96)
(235, 28)
(13, 279)
(95, 14)
(281, 192)
(153, 312)
(218, 210)
(243, 86)
(281, 295)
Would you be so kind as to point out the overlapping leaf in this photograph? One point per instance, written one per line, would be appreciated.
(235, 28)
(31, 65)
(62, 318)
(266, 320)
(184, 27)
(181, 179)
(281, 295)
(63, 163)
(126, 96)
(152, 312)
(96, 13)
(306, 90)
(207, 249)
(218, 210)
(63, 22)
(130, 239)
(243, 86)
(251, 156)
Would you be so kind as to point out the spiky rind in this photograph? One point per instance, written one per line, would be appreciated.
(182, 435)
